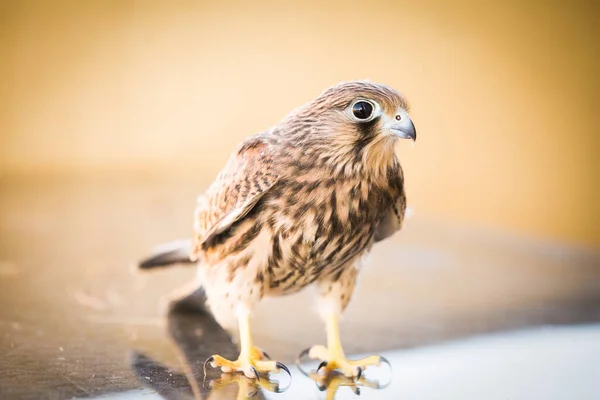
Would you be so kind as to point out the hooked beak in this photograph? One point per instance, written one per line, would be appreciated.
(405, 129)
(401, 126)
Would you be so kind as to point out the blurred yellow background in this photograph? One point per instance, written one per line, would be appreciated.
(504, 95)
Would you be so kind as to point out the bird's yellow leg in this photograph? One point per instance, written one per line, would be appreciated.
(333, 357)
(251, 360)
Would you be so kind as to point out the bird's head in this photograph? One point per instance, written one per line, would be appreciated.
(357, 121)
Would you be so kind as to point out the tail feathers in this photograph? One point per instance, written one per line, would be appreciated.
(176, 252)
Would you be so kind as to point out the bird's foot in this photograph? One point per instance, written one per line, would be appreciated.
(337, 361)
(252, 365)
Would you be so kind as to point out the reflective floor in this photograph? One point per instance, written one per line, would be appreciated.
(542, 363)
(460, 312)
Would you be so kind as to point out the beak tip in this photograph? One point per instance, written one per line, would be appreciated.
(405, 131)
(413, 132)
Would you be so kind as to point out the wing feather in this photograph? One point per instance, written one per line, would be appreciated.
(246, 177)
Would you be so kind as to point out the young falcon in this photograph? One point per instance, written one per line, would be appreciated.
(298, 205)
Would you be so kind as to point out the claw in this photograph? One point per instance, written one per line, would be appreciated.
(286, 369)
(384, 360)
(253, 369)
(357, 390)
(207, 362)
(302, 354)
(360, 371)
(283, 367)
(265, 354)
(322, 365)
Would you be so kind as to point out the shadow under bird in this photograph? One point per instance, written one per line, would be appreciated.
(296, 205)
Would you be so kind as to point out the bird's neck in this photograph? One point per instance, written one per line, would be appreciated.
(373, 167)
(379, 159)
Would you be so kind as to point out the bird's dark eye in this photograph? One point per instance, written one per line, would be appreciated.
(362, 109)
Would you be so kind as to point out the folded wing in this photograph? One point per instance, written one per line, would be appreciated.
(247, 176)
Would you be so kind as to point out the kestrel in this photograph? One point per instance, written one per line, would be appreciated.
(296, 205)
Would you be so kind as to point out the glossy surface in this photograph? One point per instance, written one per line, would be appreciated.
(76, 321)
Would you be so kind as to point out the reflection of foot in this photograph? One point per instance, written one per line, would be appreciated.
(247, 387)
(331, 382)
(336, 360)
(252, 363)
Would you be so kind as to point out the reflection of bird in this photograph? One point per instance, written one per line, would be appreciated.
(300, 204)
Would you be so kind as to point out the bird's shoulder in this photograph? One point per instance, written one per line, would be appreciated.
(247, 175)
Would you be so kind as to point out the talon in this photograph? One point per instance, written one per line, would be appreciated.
(261, 353)
(360, 371)
(322, 365)
(302, 354)
(253, 369)
(357, 391)
(384, 360)
(283, 367)
(207, 362)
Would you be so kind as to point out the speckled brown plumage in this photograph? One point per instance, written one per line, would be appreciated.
(302, 202)
(315, 191)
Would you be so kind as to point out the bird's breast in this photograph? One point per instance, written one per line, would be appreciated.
(317, 232)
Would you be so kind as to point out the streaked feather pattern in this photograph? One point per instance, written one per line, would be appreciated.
(301, 203)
